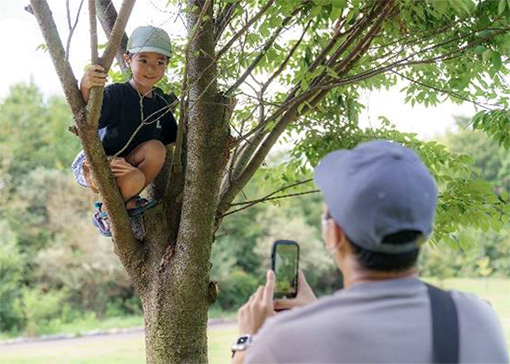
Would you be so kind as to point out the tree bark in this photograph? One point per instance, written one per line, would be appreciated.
(178, 295)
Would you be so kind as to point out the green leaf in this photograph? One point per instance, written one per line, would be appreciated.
(440, 6)
(501, 6)
(480, 49)
(335, 13)
(487, 54)
(42, 47)
(496, 60)
(315, 11)
(340, 4)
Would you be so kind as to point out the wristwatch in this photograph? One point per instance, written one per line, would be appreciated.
(241, 344)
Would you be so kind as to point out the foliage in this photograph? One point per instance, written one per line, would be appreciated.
(236, 289)
(491, 162)
(33, 133)
(38, 307)
(11, 277)
(48, 241)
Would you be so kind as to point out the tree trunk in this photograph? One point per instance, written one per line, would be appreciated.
(177, 296)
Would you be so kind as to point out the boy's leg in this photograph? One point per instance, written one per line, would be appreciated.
(149, 158)
(130, 180)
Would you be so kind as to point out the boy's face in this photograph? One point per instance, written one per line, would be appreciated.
(147, 69)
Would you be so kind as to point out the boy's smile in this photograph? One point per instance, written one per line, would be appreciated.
(147, 69)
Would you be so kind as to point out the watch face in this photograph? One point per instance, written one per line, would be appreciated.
(241, 343)
(243, 339)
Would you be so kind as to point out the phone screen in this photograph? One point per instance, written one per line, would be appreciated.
(285, 266)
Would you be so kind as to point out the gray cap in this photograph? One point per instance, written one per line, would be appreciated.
(377, 189)
(150, 39)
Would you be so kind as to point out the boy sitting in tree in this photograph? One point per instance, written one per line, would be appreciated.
(135, 123)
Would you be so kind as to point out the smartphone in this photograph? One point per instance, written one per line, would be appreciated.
(285, 264)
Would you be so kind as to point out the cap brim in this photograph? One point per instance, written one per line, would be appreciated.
(150, 49)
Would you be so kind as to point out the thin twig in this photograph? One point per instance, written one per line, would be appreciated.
(245, 28)
(281, 189)
(448, 92)
(270, 199)
(286, 60)
(223, 20)
(72, 28)
(262, 53)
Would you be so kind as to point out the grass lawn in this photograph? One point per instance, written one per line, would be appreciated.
(125, 349)
(496, 291)
(129, 349)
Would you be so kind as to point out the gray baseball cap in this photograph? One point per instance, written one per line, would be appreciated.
(377, 189)
(150, 39)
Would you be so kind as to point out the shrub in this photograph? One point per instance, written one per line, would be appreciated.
(39, 308)
(11, 269)
(236, 289)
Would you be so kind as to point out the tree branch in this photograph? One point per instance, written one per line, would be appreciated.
(355, 31)
(72, 27)
(117, 33)
(93, 32)
(286, 60)
(245, 172)
(126, 246)
(402, 63)
(245, 28)
(281, 189)
(107, 16)
(223, 19)
(262, 53)
(52, 39)
(262, 200)
(96, 93)
(448, 92)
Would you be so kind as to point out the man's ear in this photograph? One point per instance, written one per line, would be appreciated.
(340, 239)
(334, 236)
(127, 59)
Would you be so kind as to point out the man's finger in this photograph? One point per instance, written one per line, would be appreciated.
(269, 287)
(259, 294)
(252, 297)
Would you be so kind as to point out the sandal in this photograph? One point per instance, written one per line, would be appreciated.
(100, 221)
(141, 204)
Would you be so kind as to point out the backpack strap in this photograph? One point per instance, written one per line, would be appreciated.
(445, 326)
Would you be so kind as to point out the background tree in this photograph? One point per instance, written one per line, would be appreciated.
(295, 67)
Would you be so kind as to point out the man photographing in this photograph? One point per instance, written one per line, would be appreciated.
(380, 205)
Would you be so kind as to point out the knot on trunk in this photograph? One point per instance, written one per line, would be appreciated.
(214, 291)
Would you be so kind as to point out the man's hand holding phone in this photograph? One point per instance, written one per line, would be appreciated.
(261, 305)
(305, 296)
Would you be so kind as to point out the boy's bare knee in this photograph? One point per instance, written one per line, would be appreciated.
(157, 151)
(132, 183)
